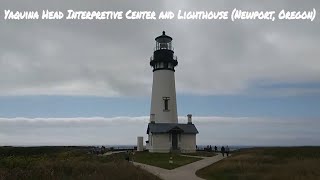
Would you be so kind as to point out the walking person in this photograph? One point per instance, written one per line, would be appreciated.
(127, 156)
(215, 149)
(227, 150)
(222, 151)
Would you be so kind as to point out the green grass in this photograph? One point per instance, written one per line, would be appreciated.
(65, 163)
(267, 163)
(162, 159)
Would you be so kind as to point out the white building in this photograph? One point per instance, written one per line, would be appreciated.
(165, 134)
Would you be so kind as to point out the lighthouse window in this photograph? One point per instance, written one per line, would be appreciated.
(166, 103)
(163, 46)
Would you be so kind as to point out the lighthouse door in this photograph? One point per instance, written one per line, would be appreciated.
(174, 141)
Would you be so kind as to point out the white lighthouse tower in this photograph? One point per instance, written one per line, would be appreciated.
(165, 134)
(163, 100)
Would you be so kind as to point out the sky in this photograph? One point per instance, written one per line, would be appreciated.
(81, 82)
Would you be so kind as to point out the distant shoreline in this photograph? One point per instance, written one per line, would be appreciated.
(116, 147)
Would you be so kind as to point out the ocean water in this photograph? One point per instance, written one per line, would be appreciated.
(200, 147)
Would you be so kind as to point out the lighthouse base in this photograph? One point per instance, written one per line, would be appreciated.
(171, 137)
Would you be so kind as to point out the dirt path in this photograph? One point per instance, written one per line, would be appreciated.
(187, 172)
(112, 152)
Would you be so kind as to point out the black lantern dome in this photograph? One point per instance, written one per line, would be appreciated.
(163, 56)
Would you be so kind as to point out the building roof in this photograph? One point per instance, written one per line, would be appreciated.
(163, 37)
(172, 127)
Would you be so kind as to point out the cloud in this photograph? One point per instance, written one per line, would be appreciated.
(110, 58)
(71, 122)
(124, 130)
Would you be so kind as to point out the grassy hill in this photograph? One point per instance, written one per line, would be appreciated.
(65, 163)
(267, 163)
